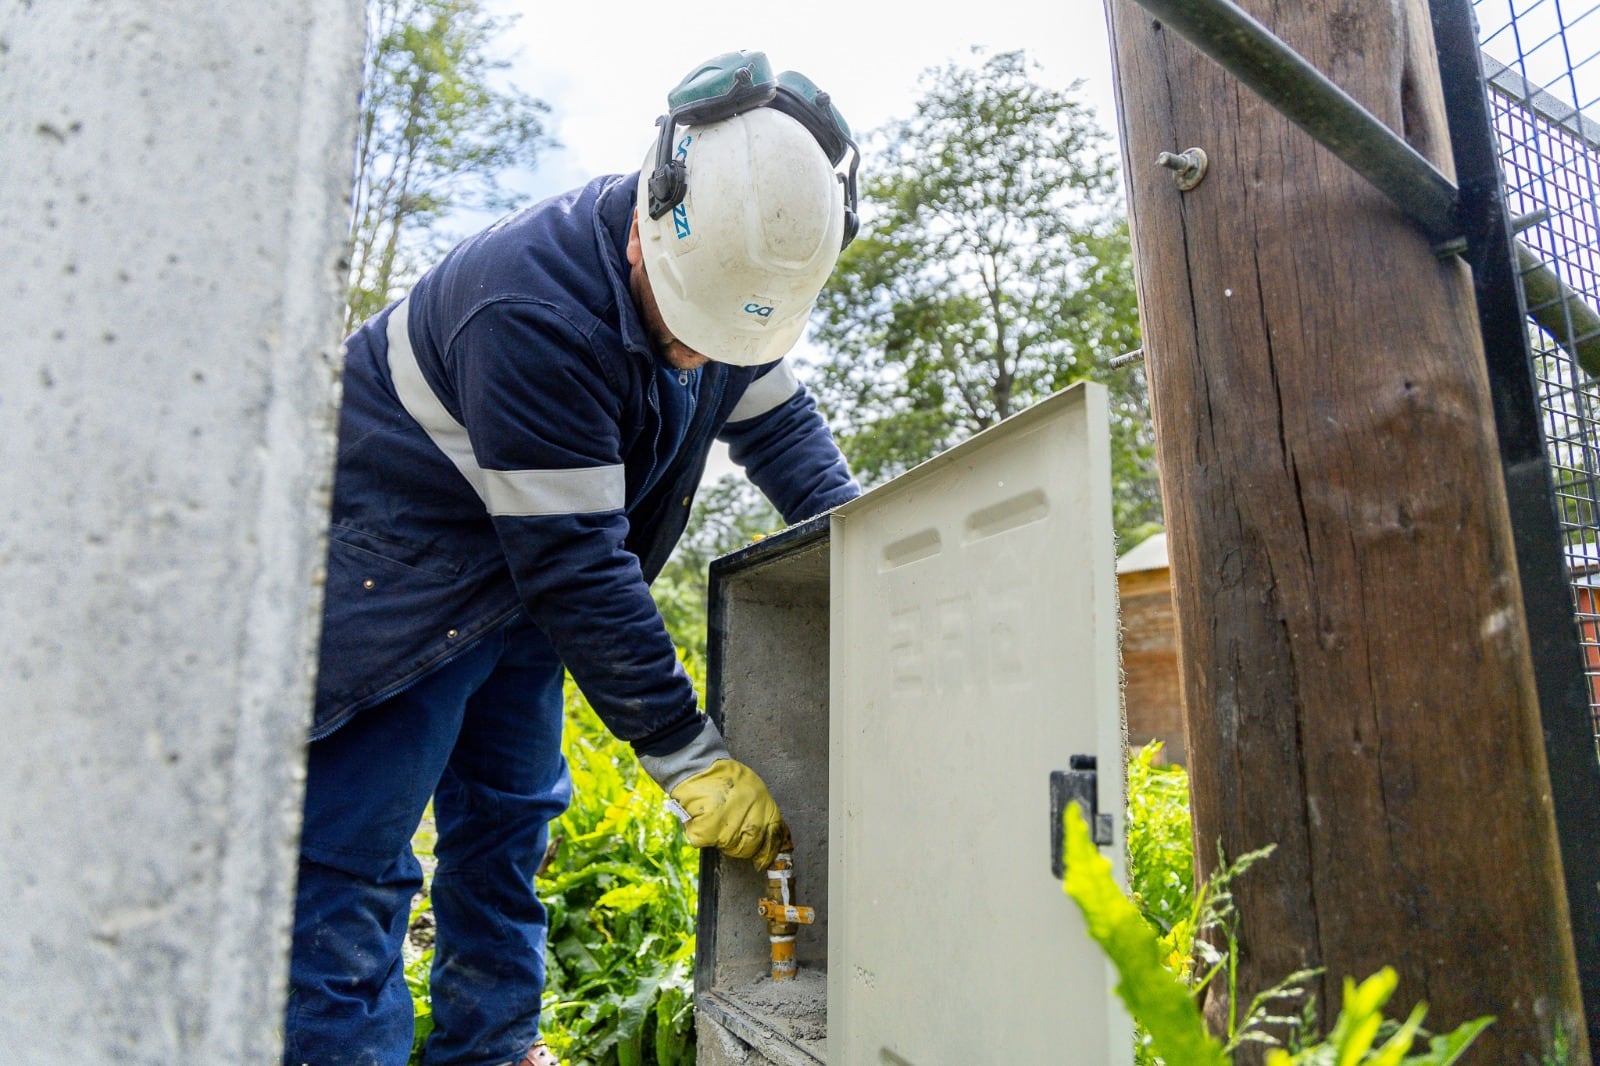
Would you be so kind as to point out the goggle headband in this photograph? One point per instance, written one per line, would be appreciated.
(730, 85)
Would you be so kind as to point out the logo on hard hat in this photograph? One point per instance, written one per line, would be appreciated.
(680, 211)
(759, 308)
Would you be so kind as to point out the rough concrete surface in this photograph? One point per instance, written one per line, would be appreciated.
(772, 685)
(718, 1047)
(775, 717)
(172, 214)
(766, 1023)
(801, 1003)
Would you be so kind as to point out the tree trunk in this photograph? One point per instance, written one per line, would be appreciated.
(1352, 643)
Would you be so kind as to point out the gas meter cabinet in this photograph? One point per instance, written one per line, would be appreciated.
(907, 673)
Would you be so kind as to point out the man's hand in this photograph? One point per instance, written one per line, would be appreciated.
(723, 803)
(728, 807)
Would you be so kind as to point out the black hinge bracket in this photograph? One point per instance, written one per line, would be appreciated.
(1081, 785)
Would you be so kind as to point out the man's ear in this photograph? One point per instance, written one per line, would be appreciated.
(635, 245)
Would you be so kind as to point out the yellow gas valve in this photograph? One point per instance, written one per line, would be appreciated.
(784, 917)
(773, 911)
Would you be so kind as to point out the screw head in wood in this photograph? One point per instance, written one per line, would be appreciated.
(1188, 168)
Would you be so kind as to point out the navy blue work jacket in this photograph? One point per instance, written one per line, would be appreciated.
(508, 440)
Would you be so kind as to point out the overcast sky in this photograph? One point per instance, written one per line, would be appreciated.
(605, 68)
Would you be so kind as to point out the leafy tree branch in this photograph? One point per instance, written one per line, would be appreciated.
(994, 269)
(436, 136)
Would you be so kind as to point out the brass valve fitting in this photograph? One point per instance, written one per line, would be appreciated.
(784, 917)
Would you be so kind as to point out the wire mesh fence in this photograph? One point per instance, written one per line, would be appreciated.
(1542, 60)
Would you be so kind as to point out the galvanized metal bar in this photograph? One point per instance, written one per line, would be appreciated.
(1305, 96)
(1530, 486)
(1560, 310)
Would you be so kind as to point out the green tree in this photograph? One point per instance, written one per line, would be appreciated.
(994, 268)
(436, 135)
(728, 514)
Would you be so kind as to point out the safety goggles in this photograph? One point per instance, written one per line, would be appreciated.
(731, 84)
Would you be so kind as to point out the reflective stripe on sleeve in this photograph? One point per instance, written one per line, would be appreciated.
(766, 392)
(576, 490)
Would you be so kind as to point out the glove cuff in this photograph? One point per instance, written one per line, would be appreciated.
(671, 770)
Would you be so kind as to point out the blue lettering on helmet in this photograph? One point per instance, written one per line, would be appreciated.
(680, 213)
(757, 309)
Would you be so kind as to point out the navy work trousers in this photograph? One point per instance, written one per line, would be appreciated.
(481, 734)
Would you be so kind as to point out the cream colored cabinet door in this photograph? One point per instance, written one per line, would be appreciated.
(973, 629)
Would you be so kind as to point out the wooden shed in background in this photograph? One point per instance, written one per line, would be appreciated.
(1583, 564)
(1151, 692)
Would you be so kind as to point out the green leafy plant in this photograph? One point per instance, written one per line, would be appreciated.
(1161, 852)
(1161, 878)
(1213, 918)
(417, 950)
(1158, 1001)
(1163, 1005)
(417, 969)
(621, 890)
(1361, 1025)
(622, 894)
(1191, 922)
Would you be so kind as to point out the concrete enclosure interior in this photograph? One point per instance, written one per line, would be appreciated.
(769, 651)
(906, 673)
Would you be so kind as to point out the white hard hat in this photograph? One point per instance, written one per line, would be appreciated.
(736, 266)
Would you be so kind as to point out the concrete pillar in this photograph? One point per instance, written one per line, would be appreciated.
(173, 185)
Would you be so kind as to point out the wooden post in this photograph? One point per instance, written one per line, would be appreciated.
(1352, 643)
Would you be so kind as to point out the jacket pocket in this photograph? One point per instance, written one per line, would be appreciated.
(360, 544)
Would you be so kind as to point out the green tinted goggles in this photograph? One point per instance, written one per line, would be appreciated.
(736, 82)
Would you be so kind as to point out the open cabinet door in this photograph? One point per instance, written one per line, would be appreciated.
(973, 652)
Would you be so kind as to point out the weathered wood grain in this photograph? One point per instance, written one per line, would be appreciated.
(1352, 644)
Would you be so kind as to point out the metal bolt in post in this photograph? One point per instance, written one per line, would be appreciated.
(1188, 169)
(1523, 223)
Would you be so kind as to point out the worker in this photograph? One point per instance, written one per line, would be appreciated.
(520, 438)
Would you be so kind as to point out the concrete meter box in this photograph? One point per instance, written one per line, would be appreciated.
(910, 673)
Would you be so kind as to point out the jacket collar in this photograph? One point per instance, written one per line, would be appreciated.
(613, 215)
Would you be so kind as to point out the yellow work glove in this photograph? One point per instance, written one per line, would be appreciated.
(727, 806)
